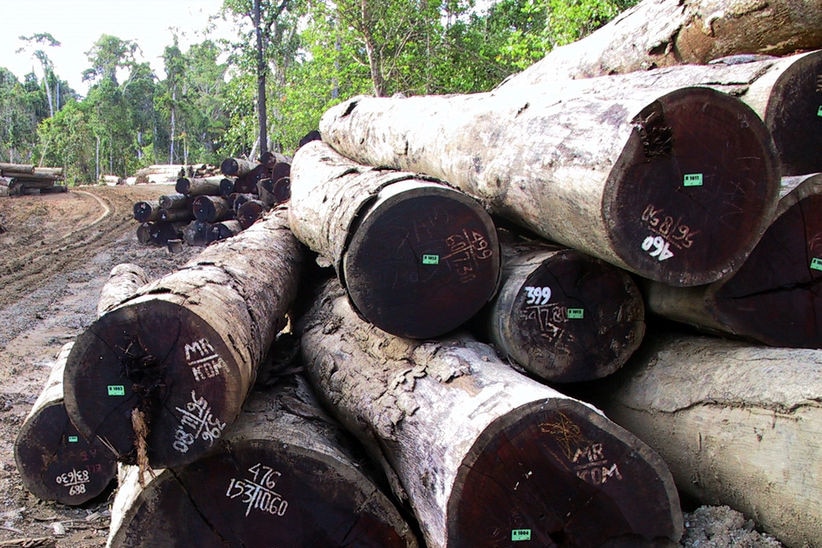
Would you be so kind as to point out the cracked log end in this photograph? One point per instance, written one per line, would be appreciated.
(423, 261)
(559, 474)
(166, 361)
(693, 189)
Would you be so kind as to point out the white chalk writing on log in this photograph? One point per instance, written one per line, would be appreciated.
(257, 492)
(196, 421)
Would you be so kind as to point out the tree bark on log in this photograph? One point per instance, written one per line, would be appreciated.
(658, 33)
(6, 169)
(174, 201)
(55, 461)
(484, 455)
(783, 92)
(775, 297)
(416, 257)
(181, 355)
(673, 185)
(175, 215)
(562, 315)
(236, 167)
(193, 187)
(259, 487)
(739, 425)
(223, 230)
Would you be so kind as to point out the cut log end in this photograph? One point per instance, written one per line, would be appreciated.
(560, 474)
(57, 463)
(693, 189)
(797, 103)
(573, 318)
(423, 261)
(256, 496)
(173, 367)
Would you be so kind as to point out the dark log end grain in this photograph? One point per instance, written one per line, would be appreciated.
(249, 212)
(256, 496)
(183, 186)
(57, 463)
(210, 209)
(424, 260)
(160, 358)
(776, 296)
(143, 211)
(560, 474)
(575, 318)
(693, 188)
(281, 189)
(230, 166)
(226, 187)
(794, 116)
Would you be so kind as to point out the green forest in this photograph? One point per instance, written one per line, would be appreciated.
(299, 56)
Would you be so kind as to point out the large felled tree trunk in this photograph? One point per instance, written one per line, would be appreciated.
(562, 315)
(417, 258)
(739, 425)
(285, 474)
(55, 461)
(784, 92)
(775, 297)
(160, 376)
(657, 33)
(484, 455)
(675, 185)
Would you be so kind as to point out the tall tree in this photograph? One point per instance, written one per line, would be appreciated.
(108, 55)
(35, 44)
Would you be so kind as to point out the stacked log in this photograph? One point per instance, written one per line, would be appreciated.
(417, 258)
(28, 179)
(56, 462)
(561, 315)
(675, 185)
(737, 424)
(160, 376)
(775, 297)
(169, 173)
(259, 486)
(484, 455)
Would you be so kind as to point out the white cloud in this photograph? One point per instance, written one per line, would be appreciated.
(77, 24)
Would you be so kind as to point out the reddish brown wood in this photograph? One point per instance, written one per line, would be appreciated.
(285, 475)
(249, 212)
(227, 186)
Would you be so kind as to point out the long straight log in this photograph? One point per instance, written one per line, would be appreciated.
(211, 209)
(739, 425)
(174, 201)
(775, 297)
(159, 377)
(562, 315)
(236, 167)
(416, 257)
(284, 475)
(484, 455)
(176, 215)
(784, 92)
(658, 33)
(54, 460)
(6, 168)
(673, 185)
(193, 186)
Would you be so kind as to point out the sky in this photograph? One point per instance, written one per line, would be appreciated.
(77, 24)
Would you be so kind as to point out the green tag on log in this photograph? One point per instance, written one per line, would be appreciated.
(819, 111)
(816, 263)
(73, 439)
(520, 534)
(430, 259)
(692, 179)
(116, 390)
(575, 313)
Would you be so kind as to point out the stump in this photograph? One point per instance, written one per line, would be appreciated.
(673, 185)
(738, 424)
(562, 315)
(417, 258)
(284, 475)
(172, 366)
(775, 297)
(484, 455)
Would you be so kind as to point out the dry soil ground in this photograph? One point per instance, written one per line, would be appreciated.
(55, 254)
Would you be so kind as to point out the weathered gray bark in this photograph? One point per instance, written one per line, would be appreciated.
(183, 352)
(675, 185)
(739, 425)
(782, 91)
(562, 315)
(658, 33)
(483, 454)
(285, 474)
(123, 282)
(775, 297)
(417, 258)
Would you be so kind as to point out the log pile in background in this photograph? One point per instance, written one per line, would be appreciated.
(29, 179)
(206, 209)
